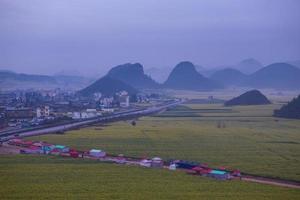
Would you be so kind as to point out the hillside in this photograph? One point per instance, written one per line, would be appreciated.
(185, 77)
(253, 97)
(108, 87)
(7, 75)
(229, 76)
(132, 74)
(12, 80)
(295, 63)
(291, 110)
(277, 76)
(249, 66)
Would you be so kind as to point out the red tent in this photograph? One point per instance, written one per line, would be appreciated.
(74, 154)
(201, 170)
(26, 143)
(32, 147)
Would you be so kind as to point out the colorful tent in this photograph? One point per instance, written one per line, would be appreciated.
(97, 153)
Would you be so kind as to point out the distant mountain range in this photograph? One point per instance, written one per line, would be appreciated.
(248, 66)
(229, 76)
(131, 77)
(276, 76)
(12, 80)
(185, 77)
(253, 97)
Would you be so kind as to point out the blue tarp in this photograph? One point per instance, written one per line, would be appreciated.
(186, 164)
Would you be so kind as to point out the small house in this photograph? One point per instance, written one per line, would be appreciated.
(62, 148)
(37, 144)
(185, 164)
(30, 150)
(146, 163)
(47, 148)
(219, 174)
(74, 154)
(172, 167)
(55, 152)
(201, 170)
(97, 153)
(157, 162)
(16, 142)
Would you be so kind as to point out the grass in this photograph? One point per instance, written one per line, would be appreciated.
(252, 140)
(46, 177)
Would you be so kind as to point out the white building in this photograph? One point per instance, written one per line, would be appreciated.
(108, 110)
(89, 113)
(107, 102)
(97, 96)
(124, 101)
(42, 112)
(76, 115)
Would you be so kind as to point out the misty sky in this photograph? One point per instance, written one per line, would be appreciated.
(90, 36)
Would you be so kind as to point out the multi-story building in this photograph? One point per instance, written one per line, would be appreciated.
(43, 112)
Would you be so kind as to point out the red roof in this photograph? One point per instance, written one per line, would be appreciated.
(201, 170)
(16, 140)
(27, 142)
(55, 150)
(32, 147)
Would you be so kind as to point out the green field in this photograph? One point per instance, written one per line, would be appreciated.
(46, 177)
(246, 138)
(251, 140)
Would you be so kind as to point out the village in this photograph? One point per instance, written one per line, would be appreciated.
(25, 109)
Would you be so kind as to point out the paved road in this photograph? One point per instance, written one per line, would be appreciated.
(59, 128)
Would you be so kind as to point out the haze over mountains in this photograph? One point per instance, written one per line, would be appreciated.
(159, 74)
(12, 80)
(229, 76)
(295, 63)
(184, 76)
(277, 75)
(246, 66)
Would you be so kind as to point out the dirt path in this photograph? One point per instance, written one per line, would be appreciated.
(282, 183)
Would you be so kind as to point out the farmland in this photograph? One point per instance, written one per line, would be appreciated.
(46, 177)
(245, 138)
